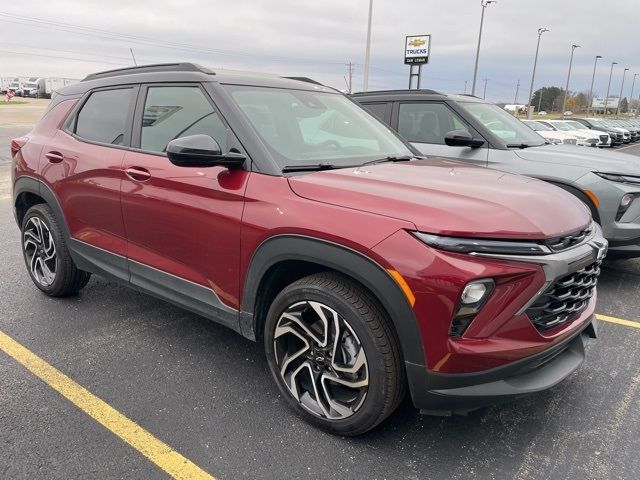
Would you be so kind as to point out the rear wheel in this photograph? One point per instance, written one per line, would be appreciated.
(46, 255)
(333, 354)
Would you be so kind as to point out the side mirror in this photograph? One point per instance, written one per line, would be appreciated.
(201, 151)
(462, 138)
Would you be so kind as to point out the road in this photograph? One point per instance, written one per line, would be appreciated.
(206, 392)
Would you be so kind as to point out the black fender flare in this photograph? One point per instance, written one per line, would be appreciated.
(25, 184)
(342, 259)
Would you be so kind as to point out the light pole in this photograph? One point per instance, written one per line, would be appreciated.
(566, 89)
(633, 84)
(606, 99)
(593, 77)
(484, 95)
(620, 96)
(368, 50)
(533, 75)
(484, 4)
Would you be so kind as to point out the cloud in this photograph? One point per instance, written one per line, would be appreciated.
(317, 39)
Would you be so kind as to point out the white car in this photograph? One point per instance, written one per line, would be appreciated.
(605, 138)
(549, 134)
(587, 138)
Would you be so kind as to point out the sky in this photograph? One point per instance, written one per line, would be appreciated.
(70, 38)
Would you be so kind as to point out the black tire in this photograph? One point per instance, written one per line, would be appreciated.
(372, 326)
(68, 278)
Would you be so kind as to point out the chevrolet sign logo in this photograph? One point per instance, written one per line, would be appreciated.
(417, 42)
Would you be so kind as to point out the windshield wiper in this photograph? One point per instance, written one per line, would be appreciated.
(518, 145)
(311, 168)
(390, 158)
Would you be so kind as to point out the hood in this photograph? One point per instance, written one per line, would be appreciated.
(591, 159)
(450, 198)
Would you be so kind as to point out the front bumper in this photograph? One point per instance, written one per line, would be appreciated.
(448, 394)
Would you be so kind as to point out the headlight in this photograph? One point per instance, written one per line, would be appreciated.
(618, 177)
(475, 245)
(570, 141)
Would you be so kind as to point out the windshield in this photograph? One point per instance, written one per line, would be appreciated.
(561, 126)
(577, 125)
(308, 127)
(538, 127)
(509, 129)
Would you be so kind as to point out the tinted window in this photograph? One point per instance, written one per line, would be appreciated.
(427, 122)
(103, 117)
(378, 109)
(174, 112)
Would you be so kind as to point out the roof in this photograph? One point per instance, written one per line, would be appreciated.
(187, 72)
(412, 95)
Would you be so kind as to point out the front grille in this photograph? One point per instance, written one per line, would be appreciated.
(566, 298)
(604, 138)
(568, 241)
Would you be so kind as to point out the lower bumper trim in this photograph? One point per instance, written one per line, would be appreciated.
(532, 374)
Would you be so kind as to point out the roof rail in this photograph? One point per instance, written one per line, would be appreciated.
(304, 79)
(159, 67)
(423, 91)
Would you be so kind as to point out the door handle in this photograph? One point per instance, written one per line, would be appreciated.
(138, 174)
(54, 157)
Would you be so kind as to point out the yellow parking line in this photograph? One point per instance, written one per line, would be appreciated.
(155, 450)
(619, 321)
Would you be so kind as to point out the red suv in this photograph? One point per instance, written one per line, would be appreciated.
(283, 210)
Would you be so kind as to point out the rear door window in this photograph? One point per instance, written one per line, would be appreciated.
(427, 122)
(175, 112)
(104, 116)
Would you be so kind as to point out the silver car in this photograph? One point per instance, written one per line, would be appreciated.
(469, 129)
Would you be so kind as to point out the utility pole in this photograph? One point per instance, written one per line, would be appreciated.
(633, 84)
(350, 81)
(484, 4)
(606, 99)
(465, 86)
(593, 77)
(533, 75)
(367, 54)
(540, 100)
(515, 99)
(566, 89)
(620, 96)
(484, 95)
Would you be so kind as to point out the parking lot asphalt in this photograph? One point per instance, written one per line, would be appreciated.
(206, 392)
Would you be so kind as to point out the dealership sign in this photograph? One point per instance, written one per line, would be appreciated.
(417, 49)
(599, 102)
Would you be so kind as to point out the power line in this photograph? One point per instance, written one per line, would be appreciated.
(96, 32)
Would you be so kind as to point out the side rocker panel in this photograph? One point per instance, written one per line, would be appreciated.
(342, 259)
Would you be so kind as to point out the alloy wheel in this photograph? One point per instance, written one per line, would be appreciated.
(321, 360)
(40, 251)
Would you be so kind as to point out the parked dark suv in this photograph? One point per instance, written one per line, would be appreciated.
(285, 211)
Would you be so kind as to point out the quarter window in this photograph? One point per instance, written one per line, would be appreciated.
(174, 112)
(378, 109)
(427, 122)
(103, 117)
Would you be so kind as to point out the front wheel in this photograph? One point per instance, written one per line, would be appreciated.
(46, 255)
(331, 350)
